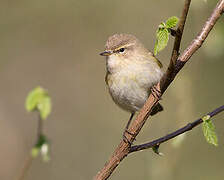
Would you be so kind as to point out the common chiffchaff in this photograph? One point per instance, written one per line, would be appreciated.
(132, 71)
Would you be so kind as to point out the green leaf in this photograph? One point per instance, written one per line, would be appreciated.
(38, 99)
(44, 107)
(162, 37)
(33, 98)
(162, 33)
(172, 22)
(209, 131)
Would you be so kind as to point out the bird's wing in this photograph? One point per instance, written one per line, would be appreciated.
(107, 77)
(151, 56)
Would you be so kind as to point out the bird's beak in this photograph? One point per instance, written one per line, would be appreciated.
(106, 53)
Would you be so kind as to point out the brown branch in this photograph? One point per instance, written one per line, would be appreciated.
(176, 46)
(26, 167)
(123, 148)
(172, 135)
(179, 33)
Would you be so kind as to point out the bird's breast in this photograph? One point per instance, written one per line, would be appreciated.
(130, 87)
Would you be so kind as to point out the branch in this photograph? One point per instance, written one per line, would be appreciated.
(172, 135)
(178, 34)
(123, 148)
(176, 46)
(29, 160)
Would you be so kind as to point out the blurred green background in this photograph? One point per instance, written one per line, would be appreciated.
(56, 44)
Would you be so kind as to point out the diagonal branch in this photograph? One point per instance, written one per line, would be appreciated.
(179, 32)
(172, 135)
(176, 46)
(123, 148)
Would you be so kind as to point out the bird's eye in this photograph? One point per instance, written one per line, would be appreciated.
(121, 50)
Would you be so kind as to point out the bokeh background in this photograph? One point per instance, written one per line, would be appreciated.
(56, 44)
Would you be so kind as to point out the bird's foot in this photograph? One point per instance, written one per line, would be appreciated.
(156, 92)
(125, 139)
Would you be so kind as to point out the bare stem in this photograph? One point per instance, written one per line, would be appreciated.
(26, 167)
(172, 135)
(29, 160)
(176, 46)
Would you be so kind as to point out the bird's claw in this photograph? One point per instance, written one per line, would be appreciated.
(156, 92)
(125, 139)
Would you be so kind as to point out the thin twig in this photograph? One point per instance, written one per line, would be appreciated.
(176, 46)
(182, 130)
(26, 167)
(29, 160)
(123, 148)
(39, 128)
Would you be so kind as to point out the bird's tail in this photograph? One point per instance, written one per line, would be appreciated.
(156, 109)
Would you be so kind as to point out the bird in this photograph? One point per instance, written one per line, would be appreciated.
(131, 72)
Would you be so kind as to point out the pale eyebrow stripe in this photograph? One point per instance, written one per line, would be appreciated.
(124, 46)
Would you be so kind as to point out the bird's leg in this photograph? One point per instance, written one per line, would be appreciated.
(129, 122)
(156, 92)
(126, 129)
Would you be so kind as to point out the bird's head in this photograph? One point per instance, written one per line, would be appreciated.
(122, 50)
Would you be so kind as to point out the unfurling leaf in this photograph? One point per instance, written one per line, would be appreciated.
(44, 107)
(162, 25)
(38, 99)
(162, 33)
(162, 37)
(172, 22)
(209, 131)
(156, 150)
(42, 148)
(33, 98)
